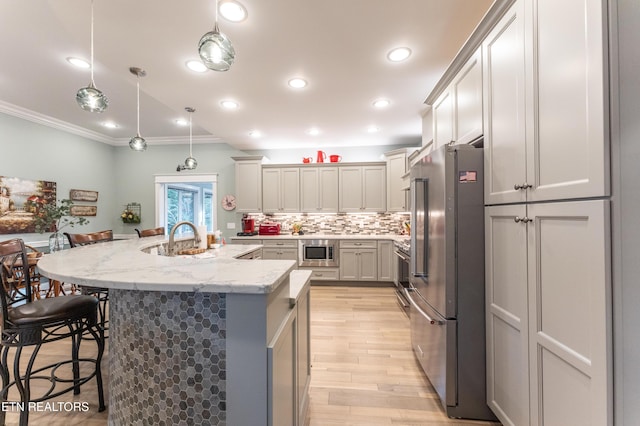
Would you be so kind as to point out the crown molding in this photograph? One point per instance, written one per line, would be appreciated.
(171, 140)
(54, 123)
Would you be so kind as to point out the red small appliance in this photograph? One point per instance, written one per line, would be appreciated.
(248, 225)
(269, 228)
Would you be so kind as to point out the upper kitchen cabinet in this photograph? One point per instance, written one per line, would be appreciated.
(545, 121)
(319, 189)
(397, 195)
(280, 189)
(248, 184)
(457, 112)
(362, 188)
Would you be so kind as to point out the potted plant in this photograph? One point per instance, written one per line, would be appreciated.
(55, 217)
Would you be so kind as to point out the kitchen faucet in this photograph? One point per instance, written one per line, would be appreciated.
(172, 242)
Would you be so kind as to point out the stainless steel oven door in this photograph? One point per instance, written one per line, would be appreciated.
(401, 278)
(322, 253)
(434, 343)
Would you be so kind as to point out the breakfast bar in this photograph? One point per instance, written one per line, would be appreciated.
(197, 339)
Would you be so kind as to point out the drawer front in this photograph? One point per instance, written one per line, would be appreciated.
(358, 244)
(280, 243)
(245, 241)
(324, 274)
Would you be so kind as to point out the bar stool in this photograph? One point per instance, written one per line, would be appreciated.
(77, 240)
(150, 232)
(27, 322)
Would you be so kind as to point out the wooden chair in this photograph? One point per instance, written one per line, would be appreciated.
(77, 240)
(17, 272)
(26, 322)
(150, 232)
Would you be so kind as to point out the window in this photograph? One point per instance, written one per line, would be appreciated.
(189, 198)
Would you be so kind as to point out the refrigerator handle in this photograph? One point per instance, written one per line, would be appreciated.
(432, 321)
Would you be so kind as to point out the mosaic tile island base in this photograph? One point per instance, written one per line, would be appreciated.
(190, 337)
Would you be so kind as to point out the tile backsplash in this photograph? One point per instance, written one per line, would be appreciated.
(368, 224)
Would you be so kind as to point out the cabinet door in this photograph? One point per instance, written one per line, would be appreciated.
(271, 190)
(290, 190)
(507, 314)
(350, 191)
(504, 105)
(568, 157)
(385, 261)
(368, 264)
(468, 95)
(248, 186)
(328, 178)
(396, 195)
(270, 253)
(349, 264)
(570, 323)
(281, 374)
(310, 189)
(304, 355)
(443, 119)
(374, 188)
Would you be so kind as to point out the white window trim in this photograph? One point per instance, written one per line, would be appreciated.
(162, 180)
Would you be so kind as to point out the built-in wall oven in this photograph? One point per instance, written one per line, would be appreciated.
(318, 253)
(401, 278)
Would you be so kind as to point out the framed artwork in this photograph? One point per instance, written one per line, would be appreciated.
(83, 195)
(20, 201)
(83, 210)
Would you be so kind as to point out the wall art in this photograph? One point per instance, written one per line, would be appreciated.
(22, 199)
(83, 195)
(83, 210)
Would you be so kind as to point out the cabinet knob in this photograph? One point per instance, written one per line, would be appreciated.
(525, 219)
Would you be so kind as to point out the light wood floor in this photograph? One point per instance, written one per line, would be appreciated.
(363, 370)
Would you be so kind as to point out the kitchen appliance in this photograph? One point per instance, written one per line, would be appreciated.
(321, 157)
(335, 158)
(446, 289)
(307, 160)
(248, 225)
(269, 228)
(318, 253)
(401, 249)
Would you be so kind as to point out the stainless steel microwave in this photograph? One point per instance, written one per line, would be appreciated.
(318, 253)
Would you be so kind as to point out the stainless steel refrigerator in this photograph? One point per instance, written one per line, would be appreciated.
(446, 291)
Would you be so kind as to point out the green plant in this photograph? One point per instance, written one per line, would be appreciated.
(54, 217)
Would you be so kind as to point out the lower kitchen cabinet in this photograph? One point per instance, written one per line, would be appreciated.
(385, 260)
(549, 314)
(358, 261)
(323, 273)
(280, 250)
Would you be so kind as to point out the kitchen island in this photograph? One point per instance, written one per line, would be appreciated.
(205, 339)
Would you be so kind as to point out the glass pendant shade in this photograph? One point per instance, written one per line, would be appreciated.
(137, 143)
(190, 163)
(216, 50)
(91, 99)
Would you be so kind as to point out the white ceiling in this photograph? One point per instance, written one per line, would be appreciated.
(338, 46)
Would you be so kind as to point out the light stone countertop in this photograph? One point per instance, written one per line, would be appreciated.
(288, 236)
(122, 265)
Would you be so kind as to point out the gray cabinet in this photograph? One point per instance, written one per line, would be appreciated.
(280, 190)
(318, 189)
(385, 261)
(303, 378)
(358, 260)
(280, 249)
(248, 174)
(281, 373)
(397, 195)
(362, 188)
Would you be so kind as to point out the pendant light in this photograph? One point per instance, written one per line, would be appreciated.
(137, 143)
(190, 163)
(215, 49)
(90, 98)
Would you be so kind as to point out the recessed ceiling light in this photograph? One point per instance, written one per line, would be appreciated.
(399, 54)
(110, 125)
(80, 63)
(182, 122)
(232, 11)
(255, 134)
(297, 83)
(196, 66)
(229, 104)
(373, 129)
(313, 132)
(381, 103)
